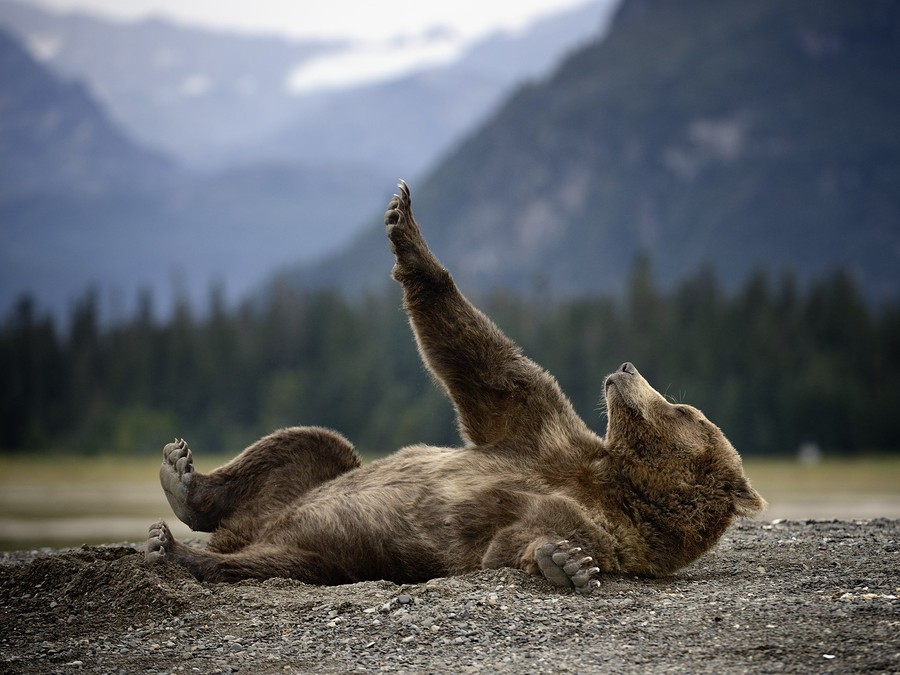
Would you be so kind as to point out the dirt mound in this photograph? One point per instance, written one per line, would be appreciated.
(786, 597)
(92, 586)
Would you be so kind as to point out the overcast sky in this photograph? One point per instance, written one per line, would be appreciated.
(389, 38)
(330, 18)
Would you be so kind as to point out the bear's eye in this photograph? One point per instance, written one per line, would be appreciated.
(677, 412)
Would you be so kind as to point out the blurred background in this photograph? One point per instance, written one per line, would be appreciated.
(191, 236)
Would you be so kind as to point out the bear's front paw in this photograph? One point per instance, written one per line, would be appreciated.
(414, 260)
(567, 566)
(398, 216)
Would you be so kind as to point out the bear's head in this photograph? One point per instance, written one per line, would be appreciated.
(685, 476)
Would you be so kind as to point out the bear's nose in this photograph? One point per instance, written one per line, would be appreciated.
(628, 367)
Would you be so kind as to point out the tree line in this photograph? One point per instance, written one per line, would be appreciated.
(773, 363)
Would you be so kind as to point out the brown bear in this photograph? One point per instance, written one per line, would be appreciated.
(532, 487)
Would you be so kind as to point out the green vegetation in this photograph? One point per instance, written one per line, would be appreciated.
(773, 365)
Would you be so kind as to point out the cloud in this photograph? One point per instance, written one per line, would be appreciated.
(375, 61)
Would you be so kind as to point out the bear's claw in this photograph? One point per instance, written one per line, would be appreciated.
(564, 565)
(405, 239)
(398, 208)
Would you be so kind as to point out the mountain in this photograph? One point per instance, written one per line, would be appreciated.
(214, 99)
(405, 124)
(82, 205)
(732, 135)
(187, 91)
(230, 229)
(54, 137)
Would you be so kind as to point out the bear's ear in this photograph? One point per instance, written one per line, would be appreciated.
(747, 501)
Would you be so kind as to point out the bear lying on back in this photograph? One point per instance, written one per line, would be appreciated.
(532, 487)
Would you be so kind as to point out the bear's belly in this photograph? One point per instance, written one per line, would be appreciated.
(404, 526)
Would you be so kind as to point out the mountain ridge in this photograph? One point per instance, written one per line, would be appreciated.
(182, 89)
(237, 216)
(211, 98)
(54, 137)
(753, 136)
(82, 206)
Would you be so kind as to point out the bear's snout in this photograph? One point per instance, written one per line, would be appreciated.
(626, 368)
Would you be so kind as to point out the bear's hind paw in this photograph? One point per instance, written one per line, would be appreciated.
(159, 538)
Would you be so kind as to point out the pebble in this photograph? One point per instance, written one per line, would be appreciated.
(460, 625)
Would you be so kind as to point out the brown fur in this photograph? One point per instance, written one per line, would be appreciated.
(532, 487)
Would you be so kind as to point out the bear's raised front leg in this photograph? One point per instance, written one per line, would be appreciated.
(496, 390)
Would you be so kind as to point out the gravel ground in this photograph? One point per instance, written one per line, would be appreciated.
(772, 597)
